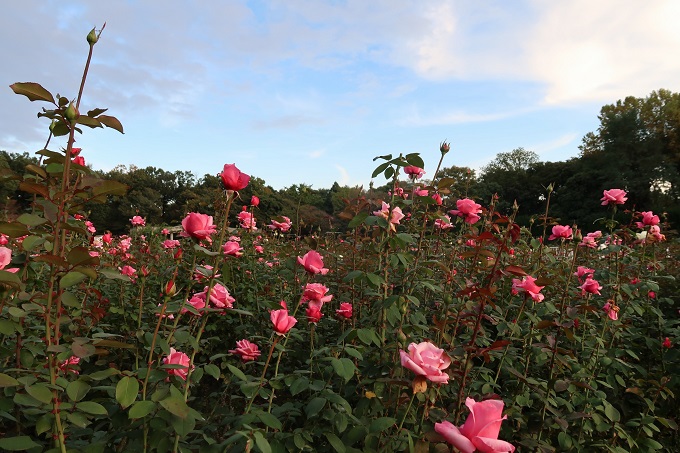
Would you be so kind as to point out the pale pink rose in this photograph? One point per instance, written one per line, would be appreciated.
(259, 249)
(282, 321)
(480, 431)
(233, 178)
(219, 296)
(414, 172)
(425, 359)
(283, 225)
(655, 232)
(137, 221)
(590, 240)
(165, 231)
(614, 196)
(345, 310)
(648, 219)
(5, 257)
(232, 248)
(247, 220)
(561, 232)
(246, 350)
(590, 286)
(177, 358)
(312, 261)
(170, 244)
(198, 226)
(467, 208)
(443, 224)
(90, 226)
(528, 285)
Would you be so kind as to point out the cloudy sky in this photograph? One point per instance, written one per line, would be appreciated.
(309, 91)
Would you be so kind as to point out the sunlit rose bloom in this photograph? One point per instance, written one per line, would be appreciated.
(79, 160)
(232, 248)
(246, 350)
(170, 244)
(198, 226)
(648, 219)
(107, 238)
(177, 358)
(125, 243)
(247, 220)
(426, 359)
(282, 226)
(254, 201)
(5, 257)
(437, 199)
(394, 216)
(312, 261)
(137, 221)
(233, 179)
(480, 430)
(591, 286)
(345, 310)
(128, 270)
(528, 285)
(443, 224)
(614, 196)
(414, 172)
(561, 232)
(468, 209)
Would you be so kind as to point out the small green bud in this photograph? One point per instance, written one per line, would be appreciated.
(72, 113)
(92, 37)
(444, 147)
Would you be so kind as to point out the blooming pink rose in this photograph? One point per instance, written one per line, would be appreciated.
(247, 350)
(420, 192)
(5, 257)
(590, 239)
(583, 271)
(165, 231)
(254, 201)
(197, 301)
(394, 217)
(528, 285)
(414, 172)
(170, 243)
(219, 296)
(233, 179)
(345, 310)
(75, 151)
(648, 219)
(177, 358)
(107, 238)
(591, 286)
(247, 220)
(651, 295)
(90, 226)
(137, 221)
(443, 224)
(437, 199)
(467, 208)
(425, 359)
(79, 160)
(282, 322)
(4, 239)
(314, 314)
(259, 249)
(561, 232)
(198, 226)
(315, 294)
(284, 225)
(128, 270)
(655, 232)
(312, 261)
(232, 248)
(480, 431)
(614, 196)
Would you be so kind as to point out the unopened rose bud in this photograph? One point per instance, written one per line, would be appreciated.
(170, 288)
(444, 147)
(92, 37)
(178, 254)
(72, 113)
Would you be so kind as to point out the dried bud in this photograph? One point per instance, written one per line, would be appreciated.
(72, 113)
(92, 37)
(444, 147)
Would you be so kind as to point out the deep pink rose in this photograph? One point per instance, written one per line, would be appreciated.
(313, 263)
(247, 220)
(233, 179)
(480, 431)
(254, 201)
(614, 196)
(590, 240)
(561, 232)
(591, 286)
(66, 365)
(528, 285)
(282, 321)
(79, 160)
(437, 199)
(247, 350)
(425, 359)
(467, 208)
(314, 314)
(232, 248)
(283, 225)
(315, 294)
(345, 310)
(5, 257)
(198, 302)
(667, 343)
(583, 271)
(394, 216)
(198, 226)
(170, 244)
(177, 358)
(219, 296)
(137, 221)
(648, 219)
(414, 172)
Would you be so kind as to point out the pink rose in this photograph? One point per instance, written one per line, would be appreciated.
(233, 179)
(79, 160)
(283, 225)
(177, 358)
(667, 343)
(282, 322)
(315, 294)
(170, 243)
(232, 248)
(254, 201)
(467, 208)
(420, 192)
(612, 311)
(591, 286)
(648, 219)
(137, 221)
(437, 199)
(312, 261)
(128, 270)
(414, 172)
(247, 350)
(561, 232)
(528, 285)
(198, 226)
(219, 296)
(443, 224)
(314, 314)
(480, 431)
(345, 310)
(583, 271)
(590, 240)
(247, 220)
(425, 359)
(65, 366)
(394, 217)
(614, 196)
(5, 257)
(197, 301)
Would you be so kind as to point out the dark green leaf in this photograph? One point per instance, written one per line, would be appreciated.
(33, 91)
(141, 409)
(19, 443)
(126, 391)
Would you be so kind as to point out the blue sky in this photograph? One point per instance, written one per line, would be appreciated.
(309, 91)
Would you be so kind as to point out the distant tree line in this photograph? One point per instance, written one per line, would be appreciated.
(636, 148)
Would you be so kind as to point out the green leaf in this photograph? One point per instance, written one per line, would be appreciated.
(176, 405)
(33, 91)
(89, 121)
(374, 279)
(7, 381)
(10, 279)
(40, 392)
(103, 374)
(269, 420)
(112, 122)
(70, 279)
(141, 409)
(381, 424)
(357, 220)
(611, 412)
(76, 390)
(113, 274)
(19, 443)
(92, 408)
(379, 169)
(79, 256)
(343, 367)
(78, 418)
(31, 219)
(353, 352)
(13, 229)
(212, 370)
(32, 242)
(126, 391)
(110, 187)
(415, 160)
(238, 373)
(299, 385)
(335, 442)
(315, 406)
(262, 442)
